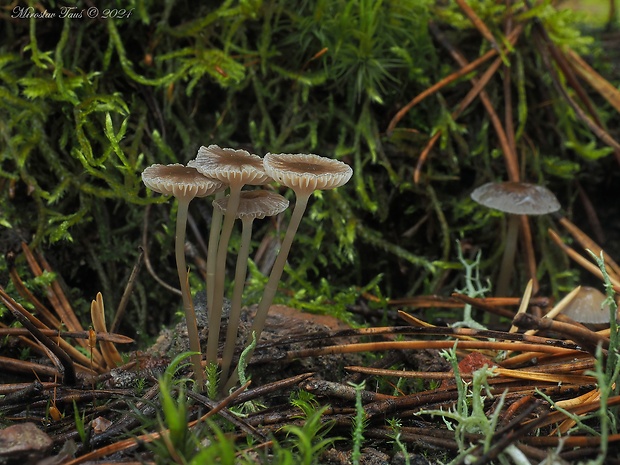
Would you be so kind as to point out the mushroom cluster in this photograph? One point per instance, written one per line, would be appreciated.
(214, 170)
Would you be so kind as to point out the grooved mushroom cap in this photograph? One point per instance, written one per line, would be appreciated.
(255, 204)
(587, 307)
(518, 198)
(306, 172)
(180, 181)
(230, 166)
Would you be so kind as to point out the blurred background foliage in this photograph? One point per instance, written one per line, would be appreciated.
(87, 104)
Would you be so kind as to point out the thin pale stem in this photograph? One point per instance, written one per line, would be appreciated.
(190, 314)
(510, 249)
(215, 312)
(528, 249)
(276, 273)
(214, 235)
(235, 304)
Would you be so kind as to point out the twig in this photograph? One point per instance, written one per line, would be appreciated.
(581, 335)
(270, 388)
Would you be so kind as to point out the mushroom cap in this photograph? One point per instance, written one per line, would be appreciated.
(519, 198)
(306, 173)
(588, 306)
(230, 166)
(180, 181)
(255, 204)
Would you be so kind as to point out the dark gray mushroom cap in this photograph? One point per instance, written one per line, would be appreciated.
(255, 204)
(518, 198)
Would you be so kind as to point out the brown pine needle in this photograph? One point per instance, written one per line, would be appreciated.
(54, 293)
(45, 315)
(527, 294)
(511, 39)
(582, 261)
(111, 337)
(607, 90)
(456, 301)
(108, 350)
(588, 244)
(490, 305)
(501, 372)
(477, 22)
(413, 321)
(75, 354)
(580, 409)
(422, 345)
(27, 368)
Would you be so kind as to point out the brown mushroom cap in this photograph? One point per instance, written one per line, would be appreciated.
(255, 204)
(179, 180)
(588, 306)
(518, 198)
(230, 166)
(306, 172)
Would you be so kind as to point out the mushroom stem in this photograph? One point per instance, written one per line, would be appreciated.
(276, 273)
(278, 266)
(190, 314)
(214, 234)
(235, 304)
(215, 312)
(528, 249)
(505, 271)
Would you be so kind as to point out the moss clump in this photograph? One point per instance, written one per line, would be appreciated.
(87, 103)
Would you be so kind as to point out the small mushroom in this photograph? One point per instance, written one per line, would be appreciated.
(235, 168)
(588, 306)
(253, 205)
(514, 198)
(184, 183)
(304, 173)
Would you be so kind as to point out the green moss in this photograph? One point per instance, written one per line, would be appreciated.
(86, 104)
